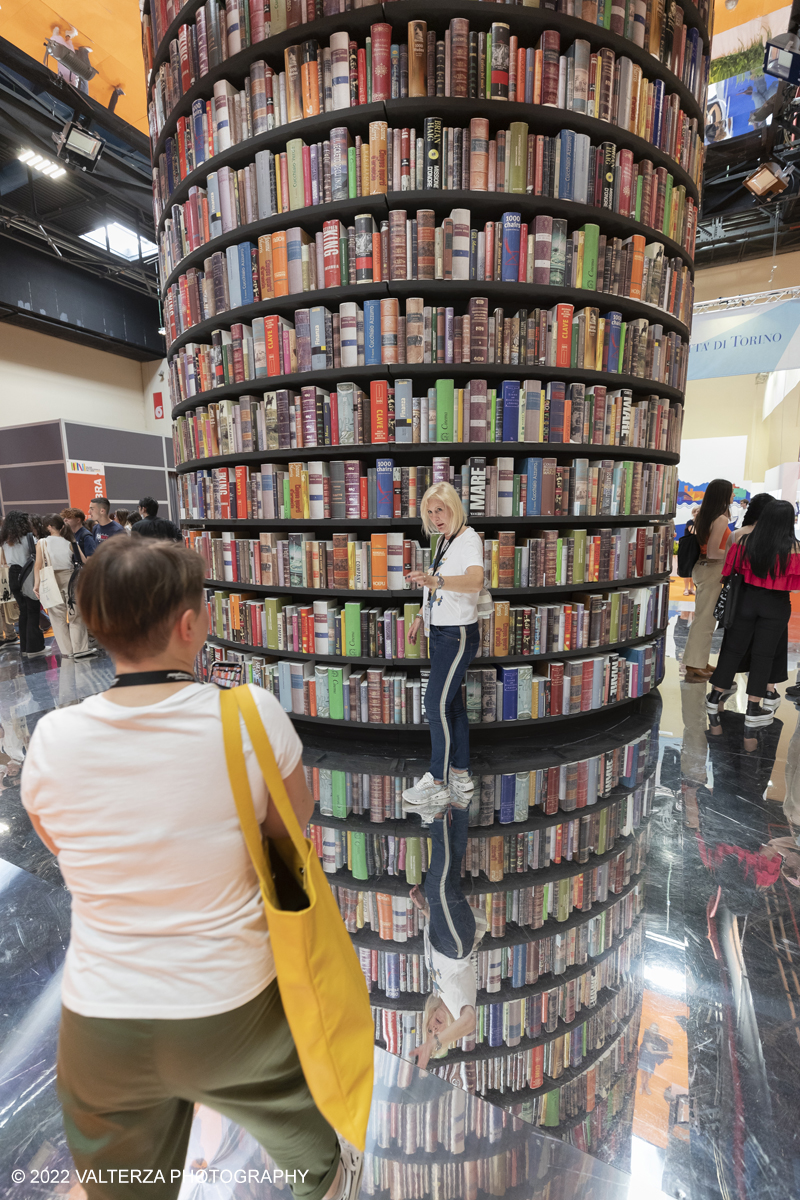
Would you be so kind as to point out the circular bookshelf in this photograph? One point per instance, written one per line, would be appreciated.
(562, 348)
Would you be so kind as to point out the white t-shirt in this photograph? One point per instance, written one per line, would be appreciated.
(17, 554)
(455, 608)
(167, 917)
(454, 979)
(59, 552)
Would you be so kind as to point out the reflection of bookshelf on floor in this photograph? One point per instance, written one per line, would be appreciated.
(394, 251)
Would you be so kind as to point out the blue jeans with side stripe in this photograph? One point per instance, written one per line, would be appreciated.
(452, 921)
(452, 649)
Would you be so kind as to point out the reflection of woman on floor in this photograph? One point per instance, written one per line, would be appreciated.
(653, 1051)
(452, 932)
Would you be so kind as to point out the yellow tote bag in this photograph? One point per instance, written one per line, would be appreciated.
(322, 986)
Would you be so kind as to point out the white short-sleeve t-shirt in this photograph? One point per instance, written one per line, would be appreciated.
(454, 979)
(456, 608)
(59, 552)
(167, 916)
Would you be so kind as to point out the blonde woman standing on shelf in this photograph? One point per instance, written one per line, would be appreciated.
(450, 616)
(711, 528)
(442, 796)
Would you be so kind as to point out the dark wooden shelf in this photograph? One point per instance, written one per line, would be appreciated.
(483, 206)
(504, 295)
(411, 1001)
(510, 660)
(561, 589)
(282, 305)
(599, 732)
(479, 884)
(409, 827)
(479, 728)
(558, 450)
(483, 1051)
(385, 523)
(509, 1098)
(317, 214)
(457, 292)
(515, 935)
(488, 371)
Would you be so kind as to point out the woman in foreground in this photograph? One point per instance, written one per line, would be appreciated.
(768, 560)
(169, 993)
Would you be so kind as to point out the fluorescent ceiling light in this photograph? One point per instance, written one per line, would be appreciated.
(45, 166)
(121, 241)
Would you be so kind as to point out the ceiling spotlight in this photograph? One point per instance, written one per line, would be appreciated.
(45, 166)
(782, 57)
(81, 148)
(769, 178)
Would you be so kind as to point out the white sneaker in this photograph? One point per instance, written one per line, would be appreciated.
(352, 1170)
(461, 789)
(481, 925)
(426, 792)
(771, 702)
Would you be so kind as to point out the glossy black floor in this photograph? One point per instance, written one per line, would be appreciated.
(718, 1117)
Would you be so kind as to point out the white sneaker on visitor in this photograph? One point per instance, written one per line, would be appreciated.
(426, 792)
(461, 788)
(352, 1170)
(481, 925)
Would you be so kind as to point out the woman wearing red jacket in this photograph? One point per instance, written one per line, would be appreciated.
(768, 560)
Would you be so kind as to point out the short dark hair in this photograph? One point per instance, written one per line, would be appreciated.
(101, 500)
(69, 514)
(132, 590)
(150, 506)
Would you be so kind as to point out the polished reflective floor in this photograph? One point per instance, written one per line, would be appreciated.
(703, 1104)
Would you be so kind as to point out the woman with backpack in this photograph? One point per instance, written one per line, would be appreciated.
(768, 560)
(19, 549)
(712, 532)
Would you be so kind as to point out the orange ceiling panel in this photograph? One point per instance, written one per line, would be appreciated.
(111, 30)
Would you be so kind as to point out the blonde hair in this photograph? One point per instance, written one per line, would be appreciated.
(447, 494)
(432, 1004)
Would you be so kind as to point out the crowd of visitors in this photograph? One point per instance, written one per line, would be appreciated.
(63, 542)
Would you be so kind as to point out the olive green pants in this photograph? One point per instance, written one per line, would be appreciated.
(128, 1090)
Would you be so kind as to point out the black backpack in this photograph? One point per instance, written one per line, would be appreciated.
(688, 554)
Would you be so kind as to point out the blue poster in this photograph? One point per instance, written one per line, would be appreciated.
(746, 340)
(734, 106)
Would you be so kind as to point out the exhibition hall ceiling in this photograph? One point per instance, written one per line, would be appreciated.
(109, 29)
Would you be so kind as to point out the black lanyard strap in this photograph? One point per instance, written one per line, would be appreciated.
(142, 678)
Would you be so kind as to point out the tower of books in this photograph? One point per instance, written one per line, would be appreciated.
(402, 243)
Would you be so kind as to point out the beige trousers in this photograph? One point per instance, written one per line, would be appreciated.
(72, 635)
(707, 577)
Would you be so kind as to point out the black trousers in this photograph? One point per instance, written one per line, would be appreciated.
(31, 637)
(761, 629)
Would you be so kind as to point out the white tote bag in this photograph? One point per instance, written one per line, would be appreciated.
(49, 591)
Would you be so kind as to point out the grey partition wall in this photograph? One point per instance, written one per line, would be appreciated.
(42, 466)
